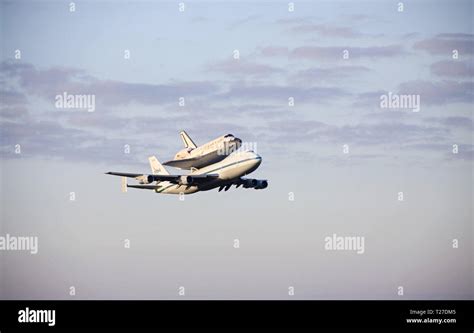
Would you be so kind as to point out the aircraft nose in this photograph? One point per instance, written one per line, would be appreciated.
(258, 160)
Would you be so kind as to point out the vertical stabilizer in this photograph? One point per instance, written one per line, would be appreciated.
(156, 167)
(188, 143)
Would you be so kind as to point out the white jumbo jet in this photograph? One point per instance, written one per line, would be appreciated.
(220, 175)
(211, 152)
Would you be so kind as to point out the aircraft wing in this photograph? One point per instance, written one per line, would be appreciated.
(150, 178)
(175, 179)
(145, 187)
(125, 174)
(186, 163)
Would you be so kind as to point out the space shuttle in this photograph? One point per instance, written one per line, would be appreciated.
(196, 157)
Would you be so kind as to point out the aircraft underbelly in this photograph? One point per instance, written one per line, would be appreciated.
(178, 189)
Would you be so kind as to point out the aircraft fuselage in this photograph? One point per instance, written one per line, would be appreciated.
(232, 167)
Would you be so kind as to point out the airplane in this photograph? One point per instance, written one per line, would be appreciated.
(220, 175)
(214, 151)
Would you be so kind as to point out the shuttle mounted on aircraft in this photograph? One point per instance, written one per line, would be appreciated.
(211, 152)
(226, 172)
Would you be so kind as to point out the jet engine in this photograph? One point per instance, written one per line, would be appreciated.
(145, 179)
(261, 184)
(186, 180)
(249, 183)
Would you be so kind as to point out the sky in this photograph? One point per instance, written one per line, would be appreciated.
(340, 155)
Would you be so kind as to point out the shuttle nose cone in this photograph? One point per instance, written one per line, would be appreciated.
(237, 142)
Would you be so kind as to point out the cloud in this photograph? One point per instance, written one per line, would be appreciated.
(96, 136)
(11, 97)
(117, 92)
(13, 112)
(320, 74)
(358, 17)
(243, 67)
(465, 151)
(410, 35)
(334, 52)
(275, 51)
(312, 25)
(241, 22)
(53, 81)
(200, 19)
(326, 30)
(354, 52)
(438, 93)
(49, 139)
(282, 93)
(456, 122)
(431, 93)
(445, 43)
(385, 133)
(456, 35)
(295, 20)
(369, 99)
(453, 68)
(362, 134)
(101, 137)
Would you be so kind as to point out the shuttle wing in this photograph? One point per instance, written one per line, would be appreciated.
(187, 163)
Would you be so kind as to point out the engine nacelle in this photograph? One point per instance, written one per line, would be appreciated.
(255, 183)
(261, 184)
(250, 183)
(145, 179)
(186, 180)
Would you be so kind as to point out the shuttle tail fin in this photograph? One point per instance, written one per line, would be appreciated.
(156, 167)
(188, 143)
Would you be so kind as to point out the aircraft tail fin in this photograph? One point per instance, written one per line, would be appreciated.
(188, 143)
(156, 166)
